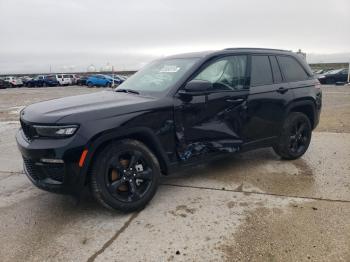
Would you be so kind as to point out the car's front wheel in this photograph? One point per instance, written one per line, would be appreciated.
(125, 175)
(295, 136)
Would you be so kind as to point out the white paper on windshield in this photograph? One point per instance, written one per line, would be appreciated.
(169, 69)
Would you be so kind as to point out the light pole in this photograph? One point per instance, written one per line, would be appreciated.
(112, 76)
(349, 73)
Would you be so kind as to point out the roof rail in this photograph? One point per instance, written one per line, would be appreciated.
(252, 48)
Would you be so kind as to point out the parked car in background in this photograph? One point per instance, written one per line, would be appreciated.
(122, 78)
(73, 78)
(25, 79)
(103, 80)
(14, 81)
(43, 81)
(81, 81)
(63, 79)
(4, 84)
(334, 76)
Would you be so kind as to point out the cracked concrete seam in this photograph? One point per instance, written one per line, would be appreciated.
(260, 193)
(113, 238)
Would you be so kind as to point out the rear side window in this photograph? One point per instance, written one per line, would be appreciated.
(291, 69)
(277, 77)
(261, 71)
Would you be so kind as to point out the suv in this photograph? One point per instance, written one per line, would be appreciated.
(103, 80)
(63, 79)
(176, 111)
(42, 81)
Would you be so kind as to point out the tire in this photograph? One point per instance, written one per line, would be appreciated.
(44, 85)
(115, 180)
(295, 137)
(89, 84)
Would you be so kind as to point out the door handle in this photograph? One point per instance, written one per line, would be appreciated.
(237, 100)
(282, 90)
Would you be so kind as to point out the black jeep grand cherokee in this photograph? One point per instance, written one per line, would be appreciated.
(176, 111)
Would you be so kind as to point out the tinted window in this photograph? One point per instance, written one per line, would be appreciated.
(277, 77)
(291, 69)
(228, 73)
(261, 71)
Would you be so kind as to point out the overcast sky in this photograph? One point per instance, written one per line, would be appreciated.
(70, 35)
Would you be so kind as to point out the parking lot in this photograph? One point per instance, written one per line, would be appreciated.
(246, 207)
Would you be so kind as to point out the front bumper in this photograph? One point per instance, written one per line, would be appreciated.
(65, 177)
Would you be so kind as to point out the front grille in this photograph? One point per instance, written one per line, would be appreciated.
(28, 130)
(40, 171)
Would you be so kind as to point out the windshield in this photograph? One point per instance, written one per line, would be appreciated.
(158, 76)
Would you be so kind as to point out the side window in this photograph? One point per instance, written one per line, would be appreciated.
(277, 77)
(228, 73)
(291, 69)
(261, 71)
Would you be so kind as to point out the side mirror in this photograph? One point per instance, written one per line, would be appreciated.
(196, 87)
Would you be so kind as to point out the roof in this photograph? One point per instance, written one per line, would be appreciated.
(229, 50)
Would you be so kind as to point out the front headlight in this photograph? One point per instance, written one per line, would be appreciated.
(56, 131)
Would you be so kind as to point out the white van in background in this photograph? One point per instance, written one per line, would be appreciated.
(63, 79)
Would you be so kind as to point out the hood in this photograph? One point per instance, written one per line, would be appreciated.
(91, 106)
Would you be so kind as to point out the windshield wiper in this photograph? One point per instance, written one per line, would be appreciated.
(127, 91)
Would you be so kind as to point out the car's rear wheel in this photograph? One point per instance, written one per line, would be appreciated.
(125, 175)
(89, 84)
(295, 136)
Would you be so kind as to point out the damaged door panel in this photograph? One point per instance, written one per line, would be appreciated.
(211, 122)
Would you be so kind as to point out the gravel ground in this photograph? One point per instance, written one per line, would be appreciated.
(247, 207)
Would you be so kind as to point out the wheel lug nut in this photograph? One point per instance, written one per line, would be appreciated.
(134, 174)
(130, 180)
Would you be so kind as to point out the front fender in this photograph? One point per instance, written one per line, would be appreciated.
(141, 133)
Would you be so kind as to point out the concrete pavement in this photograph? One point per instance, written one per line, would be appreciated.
(247, 207)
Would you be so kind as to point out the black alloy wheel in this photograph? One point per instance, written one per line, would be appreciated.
(125, 175)
(295, 136)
